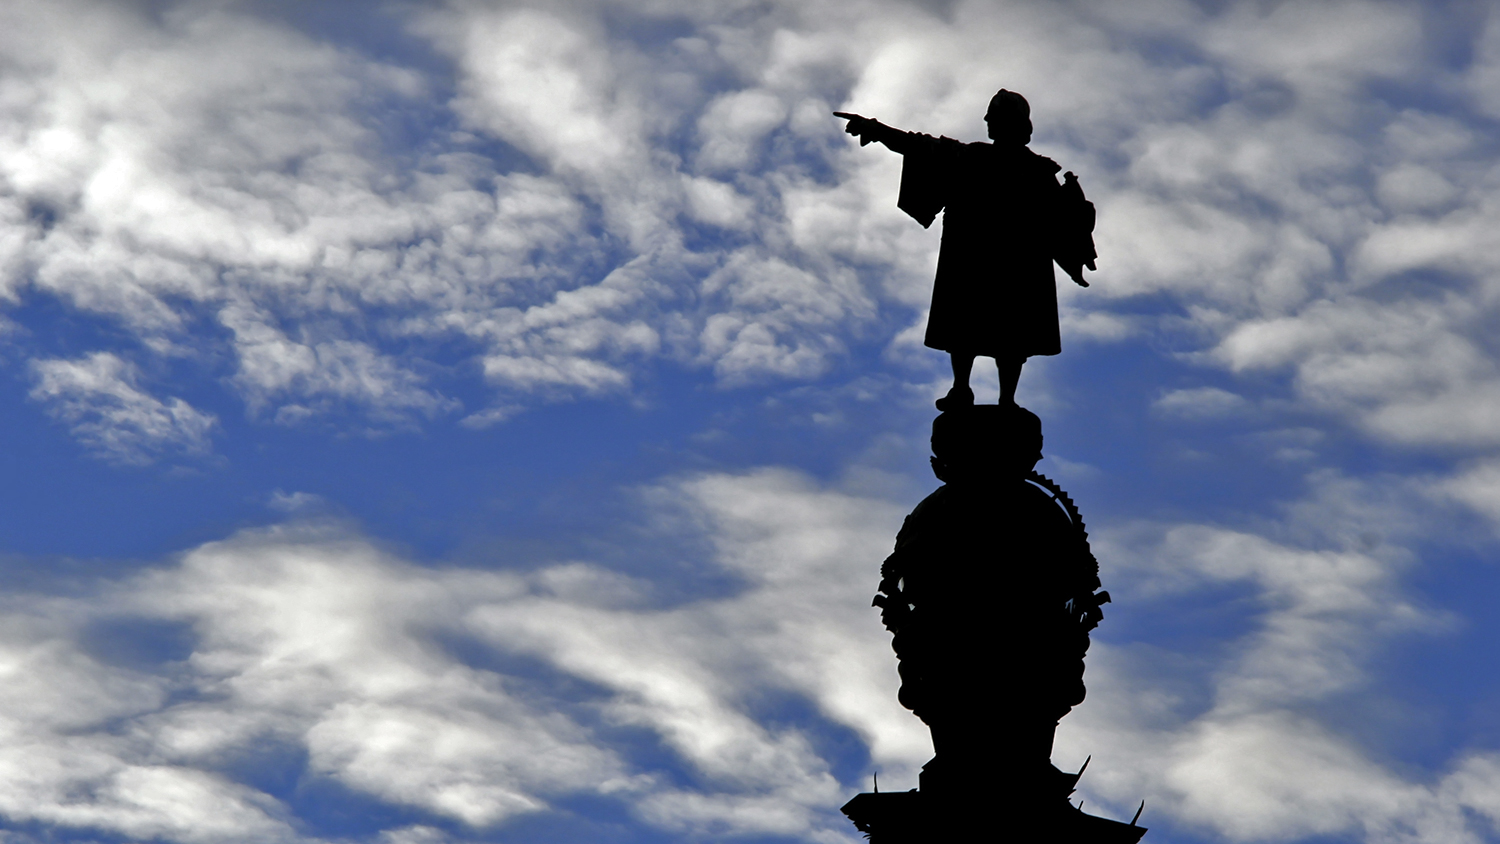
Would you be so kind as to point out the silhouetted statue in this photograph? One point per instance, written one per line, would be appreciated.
(991, 590)
(1006, 219)
(991, 596)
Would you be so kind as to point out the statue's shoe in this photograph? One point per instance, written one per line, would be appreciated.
(956, 398)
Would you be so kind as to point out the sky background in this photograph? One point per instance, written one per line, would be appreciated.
(444, 422)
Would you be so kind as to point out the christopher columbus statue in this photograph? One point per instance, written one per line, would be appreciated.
(992, 590)
(1007, 220)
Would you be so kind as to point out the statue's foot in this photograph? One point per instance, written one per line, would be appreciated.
(956, 398)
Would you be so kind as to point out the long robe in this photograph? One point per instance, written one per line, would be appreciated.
(1005, 218)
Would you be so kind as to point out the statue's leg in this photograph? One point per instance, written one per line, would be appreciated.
(960, 395)
(1010, 375)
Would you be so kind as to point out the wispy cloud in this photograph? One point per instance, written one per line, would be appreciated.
(382, 672)
(98, 397)
(1199, 403)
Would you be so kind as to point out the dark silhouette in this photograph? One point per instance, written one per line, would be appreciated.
(992, 590)
(991, 594)
(1006, 219)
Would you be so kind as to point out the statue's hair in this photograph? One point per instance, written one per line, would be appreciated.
(1010, 102)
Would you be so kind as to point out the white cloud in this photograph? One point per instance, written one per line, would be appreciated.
(1477, 486)
(294, 501)
(1486, 70)
(734, 125)
(1199, 403)
(319, 641)
(98, 398)
(1252, 735)
(1412, 187)
(802, 623)
(1411, 375)
(1246, 745)
(59, 705)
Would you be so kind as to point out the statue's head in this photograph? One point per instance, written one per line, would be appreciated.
(1009, 119)
(985, 442)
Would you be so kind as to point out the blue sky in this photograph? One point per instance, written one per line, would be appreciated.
(442, 422)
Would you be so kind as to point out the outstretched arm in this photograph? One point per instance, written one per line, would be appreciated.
(869, 129)
(924, 173)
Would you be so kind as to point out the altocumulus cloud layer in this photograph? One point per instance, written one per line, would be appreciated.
(258, 218)
(390, 680)
(596, 187)
(455, 692)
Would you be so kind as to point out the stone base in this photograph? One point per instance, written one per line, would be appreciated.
(912, 817)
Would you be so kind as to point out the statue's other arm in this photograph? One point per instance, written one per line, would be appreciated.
(1075, 240)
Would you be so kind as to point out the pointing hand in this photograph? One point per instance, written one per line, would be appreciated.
(859, 126)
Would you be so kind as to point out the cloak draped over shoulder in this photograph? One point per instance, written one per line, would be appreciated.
(994, 294)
